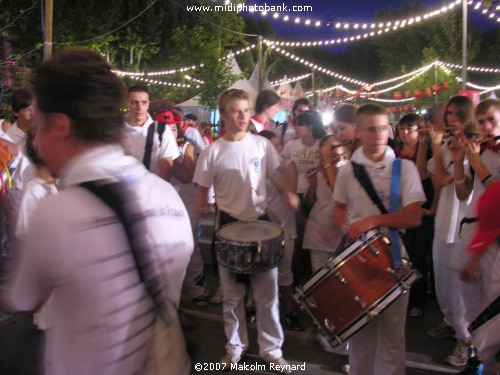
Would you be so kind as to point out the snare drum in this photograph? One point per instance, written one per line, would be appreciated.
(351, 289)
(249, 247)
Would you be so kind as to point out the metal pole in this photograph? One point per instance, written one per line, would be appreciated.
(435, 82)
(464, 43)
(47, 42)
(261, 62)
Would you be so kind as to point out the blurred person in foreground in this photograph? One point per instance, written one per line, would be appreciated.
(76, 247)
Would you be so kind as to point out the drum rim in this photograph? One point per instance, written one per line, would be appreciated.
(249, 243)
(364, 318)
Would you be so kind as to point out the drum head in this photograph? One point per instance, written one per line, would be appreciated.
(252, 231)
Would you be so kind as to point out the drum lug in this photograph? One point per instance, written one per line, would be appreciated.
(311, 303)
(398, 276)
(329, 325)
(360, 302)
(374, 250)
(340, 278)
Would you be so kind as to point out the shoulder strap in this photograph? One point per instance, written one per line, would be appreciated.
(161, 130)
(393, 207)
(146, 159)
(119, 198)
(366, 183)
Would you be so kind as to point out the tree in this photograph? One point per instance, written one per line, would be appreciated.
(207, 41)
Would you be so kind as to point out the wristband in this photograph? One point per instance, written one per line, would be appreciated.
(485, 179)
(460, 182)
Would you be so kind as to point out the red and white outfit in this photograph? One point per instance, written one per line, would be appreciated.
(259, 123)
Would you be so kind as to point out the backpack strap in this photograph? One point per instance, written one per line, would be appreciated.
(146, 159)
(366, 183)
(393, 207)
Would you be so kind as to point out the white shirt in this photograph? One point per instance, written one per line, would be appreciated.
(349, 191)
(34, 192)
(238, 172)
(134, 143)
(321, 232)
(450, 210)
(25, 170)
(77, 249)
(491, 161)
(304, 157)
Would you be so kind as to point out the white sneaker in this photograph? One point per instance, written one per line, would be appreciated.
(279, 365)
(228, 360)
(459, 356)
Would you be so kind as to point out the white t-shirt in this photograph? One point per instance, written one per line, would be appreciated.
(450, 210)
(238, 172)
(304, 157)
(77, 249)
(34, 192)
(25, 170)
(321, 232)
(349, 191)
(491, 161)
(134, 143)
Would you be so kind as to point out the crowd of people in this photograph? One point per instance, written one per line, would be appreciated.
(102, 219)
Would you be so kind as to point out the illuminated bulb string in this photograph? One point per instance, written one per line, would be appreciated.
(289, 80)
(181, 70)
(362, 25)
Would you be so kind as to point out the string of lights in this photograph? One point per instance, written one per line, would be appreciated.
(363, 25)
(473, 68)
(183, 69)
(289, 80)
(156, 82)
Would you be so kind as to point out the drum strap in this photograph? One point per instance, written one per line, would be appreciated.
(393, 207)
(364, 179)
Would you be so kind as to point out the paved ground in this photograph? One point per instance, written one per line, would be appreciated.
(20, 341)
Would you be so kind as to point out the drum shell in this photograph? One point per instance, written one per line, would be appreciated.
(353, 288)
(249, 257)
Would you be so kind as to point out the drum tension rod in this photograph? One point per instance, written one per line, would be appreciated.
(398, 275)
(340, 278)
(374, 250)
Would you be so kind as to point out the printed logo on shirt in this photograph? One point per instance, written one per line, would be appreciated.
(306, 157)
(256, 164)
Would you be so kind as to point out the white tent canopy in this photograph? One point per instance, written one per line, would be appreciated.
(193, 105)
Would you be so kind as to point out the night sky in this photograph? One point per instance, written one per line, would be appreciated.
(347, 11)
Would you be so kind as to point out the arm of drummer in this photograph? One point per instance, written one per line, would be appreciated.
(409, 217)
(287, 186)
(202, 204)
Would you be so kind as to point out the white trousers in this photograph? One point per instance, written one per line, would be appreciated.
(194, 284)
(447, 284)
(319, 259)
(379, 347)
(270, 335)
(285, 275)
